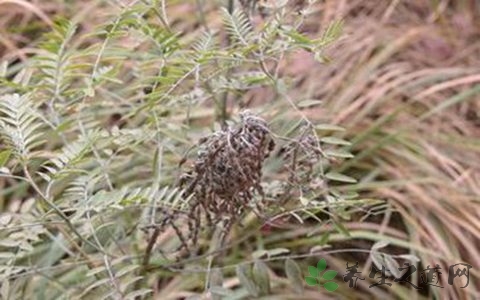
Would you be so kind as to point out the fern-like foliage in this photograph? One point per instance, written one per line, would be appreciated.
(111, 112)
(57, 63)
(19, 124)
(68, 158)
(238, 26)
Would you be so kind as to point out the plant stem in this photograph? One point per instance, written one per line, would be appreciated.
(57, 210)
(222, 114)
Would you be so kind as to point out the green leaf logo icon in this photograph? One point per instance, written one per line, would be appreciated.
(311, 281)
(313, 271)
(330, 286)
(329, 275)
(316, 277)
(321, 265)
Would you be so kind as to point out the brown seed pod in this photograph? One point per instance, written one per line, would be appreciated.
(227, 171)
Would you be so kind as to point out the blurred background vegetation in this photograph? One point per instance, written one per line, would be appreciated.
(101, 100)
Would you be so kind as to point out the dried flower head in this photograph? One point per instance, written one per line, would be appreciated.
(227, 171)
(224, 181)
(301, 155)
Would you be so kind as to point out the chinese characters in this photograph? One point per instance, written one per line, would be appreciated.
(430, 276)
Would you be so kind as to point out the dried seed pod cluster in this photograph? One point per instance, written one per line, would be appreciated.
(225, 177)
(228, 171)
(301, 155)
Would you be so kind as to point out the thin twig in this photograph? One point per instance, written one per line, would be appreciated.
(58, 210)
(222, 114)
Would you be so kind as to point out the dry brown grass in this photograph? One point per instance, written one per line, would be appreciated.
(404, 80)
